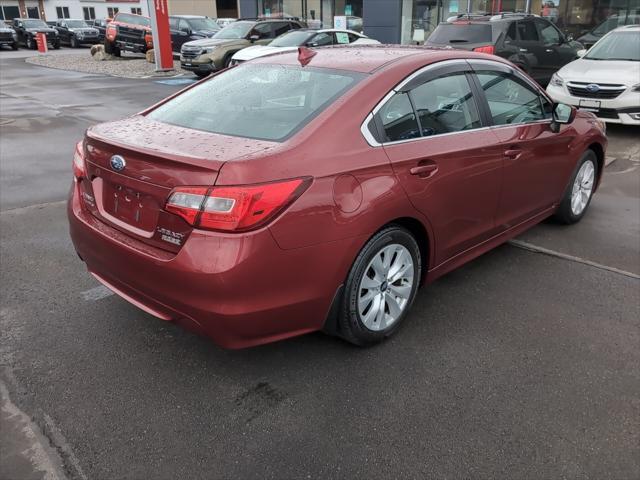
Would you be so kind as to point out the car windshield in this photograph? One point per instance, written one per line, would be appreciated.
(463, 32)
(617, 46)
(267, 102)
(291, 39)
(235, 30)
(203, 24)
(132, 19)
(76, 24)
(34, 24)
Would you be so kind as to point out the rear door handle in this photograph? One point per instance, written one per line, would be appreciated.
(524, 50)
(513, 154)
(424, 170)
(549, 50)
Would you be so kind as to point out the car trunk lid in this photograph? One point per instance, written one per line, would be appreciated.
(133, 165)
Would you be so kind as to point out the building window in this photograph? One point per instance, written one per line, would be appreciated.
(62, 12)
(89, 13)
(9, 13)
(33, 12)
(112, 11)
(136, 10)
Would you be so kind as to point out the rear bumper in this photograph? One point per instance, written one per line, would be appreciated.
(239, 290)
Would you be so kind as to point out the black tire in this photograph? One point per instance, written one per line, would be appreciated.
(56, 46)
(108, 47)
(227, 60)
(117, 52)
(14, 46)
(201, 74)
(73, 42)
(564, 213)
(352, 327)
(30, 43)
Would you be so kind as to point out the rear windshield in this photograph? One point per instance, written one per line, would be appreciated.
(132, 19)
(267, 102)
(452, 33)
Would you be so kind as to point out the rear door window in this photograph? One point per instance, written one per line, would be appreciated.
(281, 27)
(527, 31)
(262, 30)
(398, 119)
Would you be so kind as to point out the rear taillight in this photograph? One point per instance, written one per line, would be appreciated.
(237, 208)
(79, 169)
(486, 49)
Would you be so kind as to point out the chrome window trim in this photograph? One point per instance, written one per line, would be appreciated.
(514, 71)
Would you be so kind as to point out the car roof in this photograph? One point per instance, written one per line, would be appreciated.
(489, 17)
(626, 28)
(189, 16)
(323, 30)
(370, 58)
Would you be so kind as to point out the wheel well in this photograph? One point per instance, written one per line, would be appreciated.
(599, 151)
(420, 233)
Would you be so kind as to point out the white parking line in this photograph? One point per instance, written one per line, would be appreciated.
(571, 258)
(97, 293)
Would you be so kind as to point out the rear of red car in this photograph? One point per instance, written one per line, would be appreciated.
(151, 223)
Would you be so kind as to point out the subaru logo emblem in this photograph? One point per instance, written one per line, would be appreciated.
(117, 163)
(593, 88)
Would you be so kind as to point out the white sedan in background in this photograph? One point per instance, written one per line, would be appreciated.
(303, 37)
(606, 80)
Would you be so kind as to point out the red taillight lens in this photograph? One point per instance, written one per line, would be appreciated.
(490, 49)
(236, 208)
(79, 169)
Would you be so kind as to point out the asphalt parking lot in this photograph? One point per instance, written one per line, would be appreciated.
(521, 365)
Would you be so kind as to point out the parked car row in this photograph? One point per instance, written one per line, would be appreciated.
(127, 31)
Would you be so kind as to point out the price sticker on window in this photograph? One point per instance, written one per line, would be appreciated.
(342, 37)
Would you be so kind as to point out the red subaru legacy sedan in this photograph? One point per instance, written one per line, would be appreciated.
(318, 190)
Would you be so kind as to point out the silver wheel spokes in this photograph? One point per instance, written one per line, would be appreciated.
(582, 187)
(385, 287)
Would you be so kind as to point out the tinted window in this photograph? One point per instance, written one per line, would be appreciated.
(267, 102)
(510, 101)
(183, 25)
(398, 119)
(262, 30)
(527, 31)
(453, 33)
(511, 33)
(445, 105)
(291, 39)
(234, 30)
(280, 28)
(322, 39)
(549, 34)
(173, 23)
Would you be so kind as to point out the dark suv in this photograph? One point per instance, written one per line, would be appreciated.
(27, 28)
(208, 55)
(532, 43)
(185, 28)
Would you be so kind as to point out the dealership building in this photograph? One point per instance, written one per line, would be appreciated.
(390, 21)
(409, 21)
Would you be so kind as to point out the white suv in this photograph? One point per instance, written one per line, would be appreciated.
(606, 80)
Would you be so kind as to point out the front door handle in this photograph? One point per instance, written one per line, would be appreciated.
(549, 50)
(424, 170)
(513, 154)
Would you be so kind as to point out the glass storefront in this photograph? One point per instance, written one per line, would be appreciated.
(317, 13)
(576, 17)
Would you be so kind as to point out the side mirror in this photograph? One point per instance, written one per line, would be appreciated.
(562, 114)
(312, 44)
(569, 38)
(254, 38)
(187, 31)
(581, 52)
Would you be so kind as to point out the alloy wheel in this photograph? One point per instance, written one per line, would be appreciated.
(582, 187)
(385, 288)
